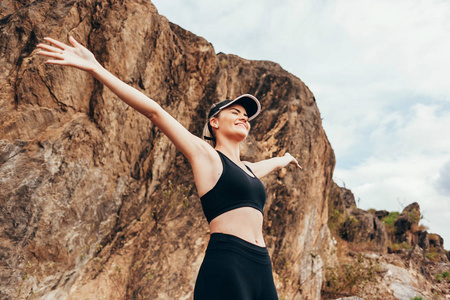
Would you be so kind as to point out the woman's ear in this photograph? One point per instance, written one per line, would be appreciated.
(214, 123)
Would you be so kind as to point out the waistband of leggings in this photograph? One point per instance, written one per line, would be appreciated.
(223, 241)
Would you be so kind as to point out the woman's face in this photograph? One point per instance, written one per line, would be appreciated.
(232, 122)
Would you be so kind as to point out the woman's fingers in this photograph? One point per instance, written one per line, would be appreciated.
(293, 160)
(51, 54)
(50, 48)
(74, 42)
(56, 43)
(56, 62)
(63, 54)
(55, 50)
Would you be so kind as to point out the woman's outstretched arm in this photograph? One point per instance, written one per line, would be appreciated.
(265, 167)
(79, 57)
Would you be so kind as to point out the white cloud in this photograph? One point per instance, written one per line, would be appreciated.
(421, 130)
(442, 183)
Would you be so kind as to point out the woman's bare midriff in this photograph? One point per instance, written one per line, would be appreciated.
(244, 222)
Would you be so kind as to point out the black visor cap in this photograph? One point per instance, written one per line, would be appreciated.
(249, 102)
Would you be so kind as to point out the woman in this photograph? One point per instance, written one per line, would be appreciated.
(236, 263)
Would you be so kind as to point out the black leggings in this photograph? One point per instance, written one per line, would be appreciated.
(234, 269)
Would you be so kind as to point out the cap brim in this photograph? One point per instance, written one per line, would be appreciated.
(249, 102)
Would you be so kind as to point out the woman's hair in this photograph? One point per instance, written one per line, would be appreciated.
(214, 111)
(208, 135)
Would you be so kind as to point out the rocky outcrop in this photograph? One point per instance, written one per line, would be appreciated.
(96, 202)
(407, 225)
(409, 233)
(384, 255)
(354, 224)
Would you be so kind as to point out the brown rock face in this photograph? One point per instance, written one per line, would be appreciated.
(95, 202)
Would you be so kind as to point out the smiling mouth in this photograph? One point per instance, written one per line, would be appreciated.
(241, 124)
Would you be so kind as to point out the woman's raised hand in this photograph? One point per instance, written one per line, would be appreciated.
(292, 160)
(77, 56)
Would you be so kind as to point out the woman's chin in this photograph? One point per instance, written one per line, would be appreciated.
(242, 136)
(237, 135)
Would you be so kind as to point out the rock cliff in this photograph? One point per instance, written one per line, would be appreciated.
(95, 202)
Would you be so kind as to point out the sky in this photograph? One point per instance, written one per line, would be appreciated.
(380, 73)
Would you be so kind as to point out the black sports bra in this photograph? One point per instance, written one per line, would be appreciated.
(234, 189)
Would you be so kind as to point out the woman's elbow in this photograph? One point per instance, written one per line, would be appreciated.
(151, 115)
